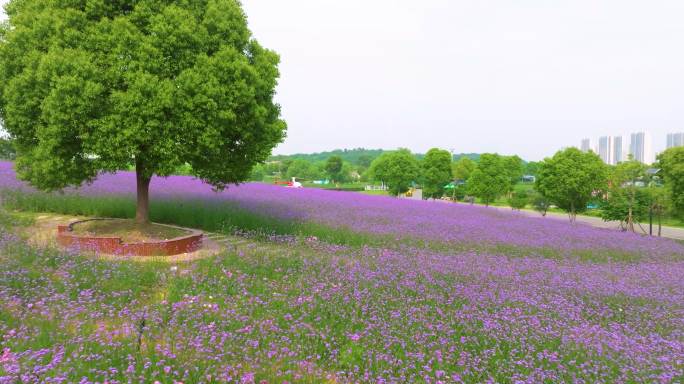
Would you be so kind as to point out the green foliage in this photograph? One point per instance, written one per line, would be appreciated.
(540, 203)
(258, 173)
(531, 168)
(436, 173)
(333, 167)
(397, 169)
(519, 199)
(622, 202)
(672, 164)
(349, 173)
(475, 157)
(514, 168)
(304, 170)
(358, 156)
(7, 151)
(463, 168)
(570, 178)
(98, 86)
(490, 179)
(628, 173)
(625, 201)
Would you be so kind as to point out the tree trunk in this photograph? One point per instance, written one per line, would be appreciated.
(142, 212)
(630, 215)
(573, 214)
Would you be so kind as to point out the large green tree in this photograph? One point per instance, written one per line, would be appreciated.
(672, 164)
(514, 168)
(333, 167)
(436, 173)
(397, 169)
(571, 178)
(531, 168)
(623, 191)
(463, 168)
(92, 85)
(490, 179)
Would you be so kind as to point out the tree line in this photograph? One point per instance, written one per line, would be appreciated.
(571, 180)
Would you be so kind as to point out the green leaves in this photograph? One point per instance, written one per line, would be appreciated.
(436, 167)
(92, 85)
(397, 169)
(333, 167)
(672, 165)
(463, 168)
(490, 179)
(570, 178)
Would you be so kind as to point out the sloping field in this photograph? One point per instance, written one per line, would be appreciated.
(371, 289)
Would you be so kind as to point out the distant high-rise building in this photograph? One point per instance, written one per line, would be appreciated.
(620, 149)
(586, 145)
(605, 149)
(675, 140)
(641, 148)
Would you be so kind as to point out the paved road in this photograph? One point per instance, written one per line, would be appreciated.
(670, 232)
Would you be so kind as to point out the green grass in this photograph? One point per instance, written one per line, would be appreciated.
(375, 193)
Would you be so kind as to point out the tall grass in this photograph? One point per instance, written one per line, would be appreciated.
(228, 218)
(224, 217)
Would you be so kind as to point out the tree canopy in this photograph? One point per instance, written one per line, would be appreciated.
(304, 169)
(514, 168)
(490, 179)
(463, 168)
(622, 193)
(397, 169)
(672, 164)
(570, 178)
(436, 172)
(333, 167)
(90, 86)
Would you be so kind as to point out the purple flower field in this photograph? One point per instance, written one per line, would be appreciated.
(383, 215)
(500, 299)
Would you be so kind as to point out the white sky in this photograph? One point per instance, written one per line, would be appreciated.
(509, 76)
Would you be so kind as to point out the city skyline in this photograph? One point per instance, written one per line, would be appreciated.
(641, 145)
(675, 140)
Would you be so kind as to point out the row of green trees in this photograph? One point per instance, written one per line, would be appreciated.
(333, 169)
(571, 180)
(488, 179)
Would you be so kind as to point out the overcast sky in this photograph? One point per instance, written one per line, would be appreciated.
(508, 76)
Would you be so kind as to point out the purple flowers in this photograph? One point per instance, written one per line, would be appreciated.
(443, 294)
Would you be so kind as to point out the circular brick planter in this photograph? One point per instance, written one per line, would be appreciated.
(115, 245)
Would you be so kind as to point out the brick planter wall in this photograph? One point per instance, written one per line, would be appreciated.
(116, 246)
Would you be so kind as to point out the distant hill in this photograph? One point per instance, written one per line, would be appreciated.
(471, 156)
(356, 156)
